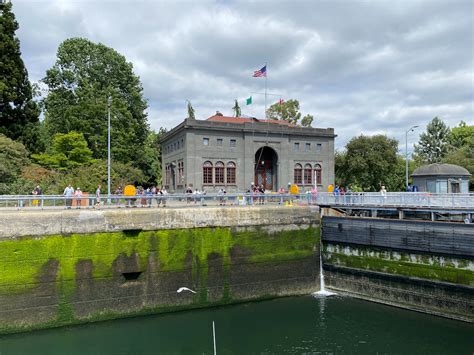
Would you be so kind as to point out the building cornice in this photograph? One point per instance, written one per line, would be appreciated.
(248, 127)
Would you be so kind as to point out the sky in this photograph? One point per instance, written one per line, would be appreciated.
(361, 67)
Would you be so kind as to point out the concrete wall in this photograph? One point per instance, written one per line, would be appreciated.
(425, 266)
(68, 267)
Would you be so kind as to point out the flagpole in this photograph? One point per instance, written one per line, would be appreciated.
(266, 74)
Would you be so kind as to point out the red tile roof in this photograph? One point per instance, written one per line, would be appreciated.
(228, 119)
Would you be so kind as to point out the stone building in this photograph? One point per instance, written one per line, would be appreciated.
(233, 152)
(441, 178)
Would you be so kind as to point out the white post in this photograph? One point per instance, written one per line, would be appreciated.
(214, 337)
(109, 102)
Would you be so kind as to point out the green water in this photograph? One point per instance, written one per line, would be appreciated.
(296, 325)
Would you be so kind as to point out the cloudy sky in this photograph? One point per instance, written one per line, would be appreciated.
(362, 67)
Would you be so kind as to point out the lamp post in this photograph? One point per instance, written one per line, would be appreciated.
(109, 103)
(411, 129)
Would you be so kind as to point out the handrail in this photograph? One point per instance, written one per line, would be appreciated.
(365, 199)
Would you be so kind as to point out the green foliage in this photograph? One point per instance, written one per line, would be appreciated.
(435, 143)
(462, 149)
(84, 76)
(149, 161)
(236, 109)
(67, 151)
(369, 162)
(307, 120)
(288, 111)
(18, 112)
(13, 157)
(462, 136)
(191, 111)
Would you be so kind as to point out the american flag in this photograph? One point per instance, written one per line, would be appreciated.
(260, 73)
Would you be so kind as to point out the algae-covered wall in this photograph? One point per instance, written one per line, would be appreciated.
(401, 263)
(54, 280)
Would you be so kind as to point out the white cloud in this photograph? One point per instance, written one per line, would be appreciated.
(359, 66)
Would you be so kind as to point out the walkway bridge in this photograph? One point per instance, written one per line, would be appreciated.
(402, 205)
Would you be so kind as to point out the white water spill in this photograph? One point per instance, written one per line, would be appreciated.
(322, 292)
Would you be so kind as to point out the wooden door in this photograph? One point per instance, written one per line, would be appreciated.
(264, 175)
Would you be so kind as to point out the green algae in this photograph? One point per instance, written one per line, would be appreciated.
(423, 268)
(23, 260)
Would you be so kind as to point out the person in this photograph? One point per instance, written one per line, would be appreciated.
(314, 194)
(349, 193)
(68, 192)
(336, 192)
(221, 194)
(164, 193)
(188, 191)
(281, 191)
(78, 196)
(383, 192)
(35, 201)
(97, 196)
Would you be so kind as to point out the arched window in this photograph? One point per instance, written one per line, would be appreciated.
(207, 173)
(298, 175)
(308, 174)
(231, 172)
(318, 173)
(219, 173)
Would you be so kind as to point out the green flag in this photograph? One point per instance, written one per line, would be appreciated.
(249, 101)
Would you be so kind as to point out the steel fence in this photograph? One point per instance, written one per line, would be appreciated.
(366, 199)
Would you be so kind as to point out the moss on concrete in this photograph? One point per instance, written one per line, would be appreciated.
(22, 260)
(410, 265)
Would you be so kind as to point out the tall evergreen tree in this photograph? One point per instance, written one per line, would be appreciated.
(19, 114)
(84, 76)
(435, 143)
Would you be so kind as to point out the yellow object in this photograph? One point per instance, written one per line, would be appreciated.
(294, 190)
(330, 188)
(129, 190)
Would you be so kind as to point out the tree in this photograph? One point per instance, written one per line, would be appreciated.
(84, 76)
(462, 135)
(191, 111)
(13, 157)
(236, 109)
(462, 149)
(67, 151)
(18, 112)
(307, 120)
(150, 159)
(288, 111)
(435, 143)
(369, 162)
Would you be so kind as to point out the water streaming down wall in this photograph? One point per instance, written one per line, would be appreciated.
(420, 265)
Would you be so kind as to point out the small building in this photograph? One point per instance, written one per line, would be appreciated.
(234, 152)
(441, 178)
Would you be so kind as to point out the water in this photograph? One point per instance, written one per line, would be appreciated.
(322, 285)
(294, 325)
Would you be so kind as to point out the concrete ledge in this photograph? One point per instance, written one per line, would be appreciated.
(15, 224)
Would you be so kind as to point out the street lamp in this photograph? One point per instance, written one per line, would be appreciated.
(109, 103)
(411, 129)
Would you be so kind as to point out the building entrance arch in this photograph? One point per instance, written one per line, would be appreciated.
(266, 160)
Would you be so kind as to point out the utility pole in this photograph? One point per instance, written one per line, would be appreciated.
(411, 129)
(109, 103)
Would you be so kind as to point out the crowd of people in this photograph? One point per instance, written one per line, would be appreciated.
(132, 196)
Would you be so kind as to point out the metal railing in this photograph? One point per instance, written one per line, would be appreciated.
(366, 199)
